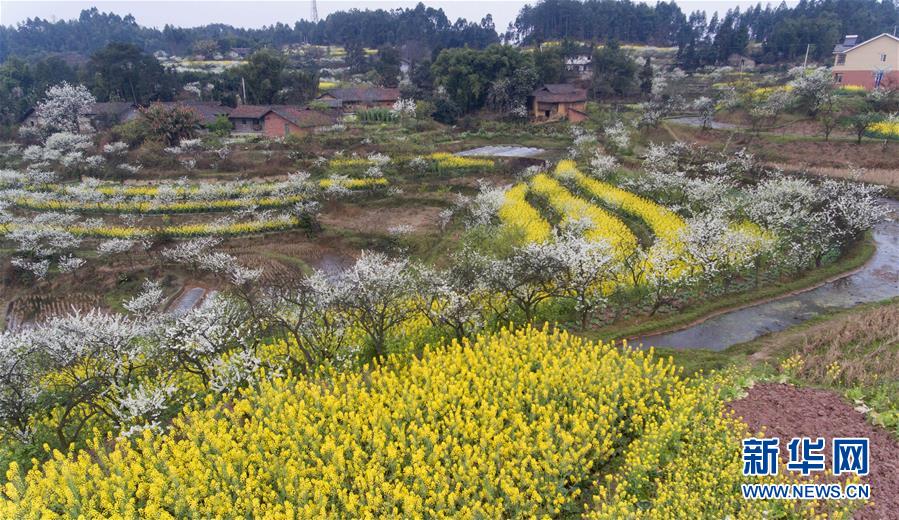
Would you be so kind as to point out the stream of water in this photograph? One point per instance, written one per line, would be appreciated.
(876, 280)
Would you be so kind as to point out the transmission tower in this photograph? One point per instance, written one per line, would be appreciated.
(314, 12)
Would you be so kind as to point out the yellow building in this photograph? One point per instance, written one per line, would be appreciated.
(871, 64)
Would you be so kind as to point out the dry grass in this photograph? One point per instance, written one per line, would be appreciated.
(886, 177)
(853, 349)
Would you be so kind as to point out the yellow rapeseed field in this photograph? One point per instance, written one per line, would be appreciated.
(138, 206)
(524, 423)
(448, 161)
(180, 231)
(518, 215)
(604, 225)
(665, 224)
(885, 130)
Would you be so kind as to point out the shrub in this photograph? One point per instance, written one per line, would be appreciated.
(221, 127)
(445, 111)
(170, 125)
(377, 115)
(152, 155)
(133, 132)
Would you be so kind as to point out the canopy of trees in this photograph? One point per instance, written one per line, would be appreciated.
(783, 31)
(599, 20)
(468, 75)
(122, 71)
(93, 30)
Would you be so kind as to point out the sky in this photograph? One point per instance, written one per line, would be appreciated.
(243, 13)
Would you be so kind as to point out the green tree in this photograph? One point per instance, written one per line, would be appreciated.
(221, 127)
(17, 91)
(613, 71)
(262, 75)
(170, 124)
(467, 74)
(550, 65)
(445, 110)
(859, 124)
(299, 86)
(356, 59)
(422, 76)
(388, 66)
(646, 77)
(122, 71)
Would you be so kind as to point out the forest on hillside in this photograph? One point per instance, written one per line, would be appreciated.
(702, 38)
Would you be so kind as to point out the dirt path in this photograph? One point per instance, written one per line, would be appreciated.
(786, 411)
(884, 176)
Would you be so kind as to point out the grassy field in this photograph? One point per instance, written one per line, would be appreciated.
(854, 352)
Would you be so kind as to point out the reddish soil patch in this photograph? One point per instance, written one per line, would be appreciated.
(835, 158)
(786, 411)
(368, 219)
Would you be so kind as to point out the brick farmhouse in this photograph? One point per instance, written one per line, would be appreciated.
(561, 100)
(871, 64)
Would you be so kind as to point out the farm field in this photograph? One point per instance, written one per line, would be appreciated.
(384, 265)
(624, 254)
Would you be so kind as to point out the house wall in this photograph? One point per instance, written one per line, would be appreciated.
(246, 126)
(560, 109)
(863, 60)
(865, 78)
(31, 120)
(867, 56)
(576, 116)
(276, 126)
(541, 108)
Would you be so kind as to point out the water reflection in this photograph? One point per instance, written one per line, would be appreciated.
(877, 280)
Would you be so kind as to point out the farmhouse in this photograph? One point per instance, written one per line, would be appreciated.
(871, 64)
(581, 65)
(561, 100)
(206, 111)
(248, 119)
(281, 121)
(364, 97)
(100, 115)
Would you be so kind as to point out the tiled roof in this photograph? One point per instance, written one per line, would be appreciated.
(303, 117)
(851, 42)
(207, 111)
(249, 111)
(109, 108)
(559, 93)
(364, 94)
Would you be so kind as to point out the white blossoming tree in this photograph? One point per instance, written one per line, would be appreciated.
(63, 105)
(375, 294)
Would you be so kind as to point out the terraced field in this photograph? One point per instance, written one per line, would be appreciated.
(242, 203)
(566, 207)
(567, 197)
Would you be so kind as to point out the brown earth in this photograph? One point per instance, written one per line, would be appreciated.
(369, 219)
(836, 158)
(787, 411)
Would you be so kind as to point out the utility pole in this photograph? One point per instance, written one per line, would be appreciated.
(807, 48)
(243, 86)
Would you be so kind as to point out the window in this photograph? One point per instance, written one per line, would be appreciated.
(883, 57)
(838, 78)
(841, 59)
(286, 129)
(878, 78)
